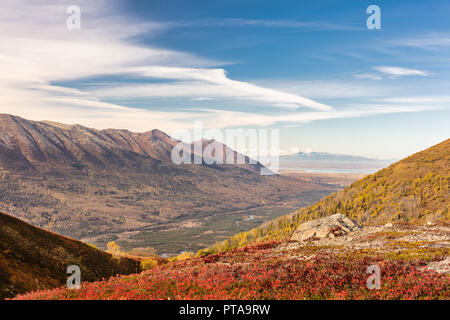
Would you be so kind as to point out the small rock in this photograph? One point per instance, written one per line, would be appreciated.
(442, 266)
(388, 225)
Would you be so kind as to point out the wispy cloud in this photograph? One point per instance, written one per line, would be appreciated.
(370, 76)
(437, 100)
(201, 99)
(209, 84)
(427, 41)
(240, 22)
(221, 118)
(38, 50)
(327, 88)
(400, 72)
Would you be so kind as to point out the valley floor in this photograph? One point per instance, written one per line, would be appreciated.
(200, 230)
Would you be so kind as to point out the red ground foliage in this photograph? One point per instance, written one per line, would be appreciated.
(260, 272)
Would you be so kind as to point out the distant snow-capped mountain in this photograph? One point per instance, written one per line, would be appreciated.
(326, 157)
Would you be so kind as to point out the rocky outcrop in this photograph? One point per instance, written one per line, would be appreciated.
(328, 227)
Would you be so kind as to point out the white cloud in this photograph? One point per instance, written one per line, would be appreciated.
(220, 87)
(223, 118)
(202, 99)
(239, 22)
(370, 76)
(399, 71)
(328, 89)
(432, 40)
(437, 100)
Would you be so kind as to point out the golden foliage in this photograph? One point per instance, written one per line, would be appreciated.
(183, 256)
(148, 264)
(113, 248)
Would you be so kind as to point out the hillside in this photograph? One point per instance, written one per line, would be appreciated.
(32, 259)
(109, 184)
(413, 190)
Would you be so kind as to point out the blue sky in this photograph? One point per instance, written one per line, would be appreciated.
(311, 69)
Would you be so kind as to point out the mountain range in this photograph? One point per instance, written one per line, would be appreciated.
(82, 182)
(327, 157)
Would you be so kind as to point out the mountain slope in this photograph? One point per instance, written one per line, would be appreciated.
(31, 259)
(83, 182)
(47, 148)
(414, 190)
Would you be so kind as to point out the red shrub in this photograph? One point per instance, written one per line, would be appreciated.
(258, 272)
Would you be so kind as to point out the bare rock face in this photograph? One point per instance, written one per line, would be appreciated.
(327, 227)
